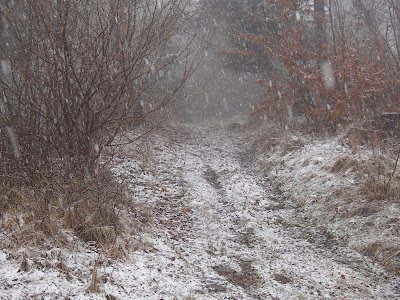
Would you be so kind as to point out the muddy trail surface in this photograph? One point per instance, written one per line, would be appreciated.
(220, 232)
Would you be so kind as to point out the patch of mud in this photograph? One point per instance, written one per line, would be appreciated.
(216, 288)
(247, 237)
(212, 178)
(277, 206)
(282, 278)
(364, 211)
(247, 277)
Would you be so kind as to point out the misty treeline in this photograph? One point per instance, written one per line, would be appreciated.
(75, 73)
(332, 61)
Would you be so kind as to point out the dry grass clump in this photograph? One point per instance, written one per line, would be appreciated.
(91, 210)
(363, 211)
(270, 136)
(382, 179)
(290, 143)
(27, 217)
(377, 171)
(387, 253)
(95, 283)
(267, 137)
(40, 213)
(356, 137)
(380, 171)
(345, 163)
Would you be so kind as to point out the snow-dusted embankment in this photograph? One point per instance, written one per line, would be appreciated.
(337, 187)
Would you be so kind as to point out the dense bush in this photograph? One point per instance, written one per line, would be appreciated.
(74, 73)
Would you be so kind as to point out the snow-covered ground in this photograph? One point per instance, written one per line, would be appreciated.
(337, 187)
(217, 231)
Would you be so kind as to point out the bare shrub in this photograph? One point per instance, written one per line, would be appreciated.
(75, 73)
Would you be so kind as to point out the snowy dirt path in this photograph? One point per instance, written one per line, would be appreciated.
(222, 233)
(217, 231)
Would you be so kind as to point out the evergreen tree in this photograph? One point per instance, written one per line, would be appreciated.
(236, 19)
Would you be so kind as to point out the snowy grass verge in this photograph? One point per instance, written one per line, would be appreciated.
(353, 193)
(68, 237)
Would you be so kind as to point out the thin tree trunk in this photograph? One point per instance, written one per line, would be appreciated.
(320, 36)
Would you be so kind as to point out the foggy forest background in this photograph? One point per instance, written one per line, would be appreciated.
(76, 73)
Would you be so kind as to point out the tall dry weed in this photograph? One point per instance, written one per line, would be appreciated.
(38, 214)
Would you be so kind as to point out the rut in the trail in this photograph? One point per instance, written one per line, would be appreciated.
(220, 232)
